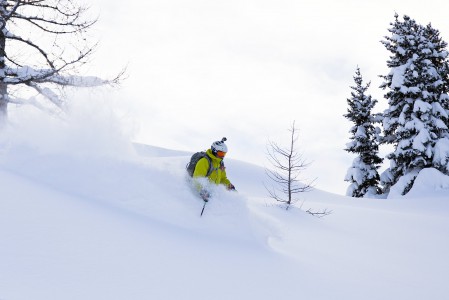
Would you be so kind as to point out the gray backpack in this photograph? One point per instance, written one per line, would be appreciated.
(190, 167)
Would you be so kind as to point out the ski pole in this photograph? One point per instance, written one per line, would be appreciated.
(203, 208)
(205, 196)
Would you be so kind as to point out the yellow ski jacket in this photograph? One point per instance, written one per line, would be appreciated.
(218, 174)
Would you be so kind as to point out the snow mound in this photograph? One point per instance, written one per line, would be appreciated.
(432, 182)
(428, 182)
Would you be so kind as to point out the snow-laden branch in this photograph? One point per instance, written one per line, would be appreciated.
(26, 74)
(30, 101)
(48, 94)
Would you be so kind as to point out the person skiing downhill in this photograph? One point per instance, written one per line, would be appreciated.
(215, 154)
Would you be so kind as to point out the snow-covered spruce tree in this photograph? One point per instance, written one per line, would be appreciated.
(416, 121)
(363, 174)
(42, 46)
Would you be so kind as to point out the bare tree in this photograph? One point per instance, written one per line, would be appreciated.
(288, 164)
(42, 47)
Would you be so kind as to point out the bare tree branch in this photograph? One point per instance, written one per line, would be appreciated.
(319, 214)
(33, 45)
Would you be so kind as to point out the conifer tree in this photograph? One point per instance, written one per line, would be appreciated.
(417, 85)
(363, 173)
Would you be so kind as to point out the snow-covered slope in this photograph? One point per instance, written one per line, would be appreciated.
(87, 220)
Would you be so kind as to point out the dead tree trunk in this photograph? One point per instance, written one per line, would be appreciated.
(3, 86)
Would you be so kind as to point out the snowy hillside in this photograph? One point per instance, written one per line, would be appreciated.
(125, 225)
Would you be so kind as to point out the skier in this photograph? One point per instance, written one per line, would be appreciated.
(217, 173)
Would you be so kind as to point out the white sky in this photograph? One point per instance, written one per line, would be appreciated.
(245, 69)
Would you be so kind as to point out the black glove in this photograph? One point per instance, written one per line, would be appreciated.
(231, 187)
